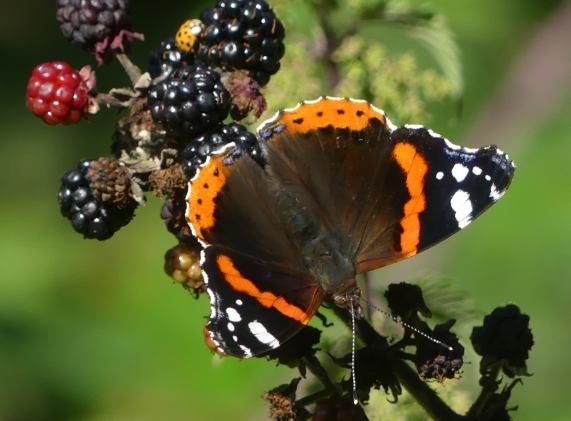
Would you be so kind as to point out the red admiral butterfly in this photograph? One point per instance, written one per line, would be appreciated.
(341, 191)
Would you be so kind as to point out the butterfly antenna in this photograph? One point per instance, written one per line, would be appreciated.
(353, 334)
(398, 320)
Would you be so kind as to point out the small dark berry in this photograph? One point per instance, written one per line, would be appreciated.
(504, 340)
(242, 35)
(168, 58)
(190, 100)
(84, 206)
(203, 145)
(96, 26)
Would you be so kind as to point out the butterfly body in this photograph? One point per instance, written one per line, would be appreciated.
(342, 191)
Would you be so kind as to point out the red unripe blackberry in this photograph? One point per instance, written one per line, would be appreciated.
(189, 101)
(168, 58)
(83, 206)
(57, 93)
(96, 25)
(242, 34)
(203, 145)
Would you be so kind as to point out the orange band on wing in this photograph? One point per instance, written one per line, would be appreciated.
(339, 113)
(415, 168)
(203, 191)
(267, 299)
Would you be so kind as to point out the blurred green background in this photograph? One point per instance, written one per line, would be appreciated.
(92, 330)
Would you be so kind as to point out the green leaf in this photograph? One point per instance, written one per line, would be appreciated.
(432, 31)
(439, 41)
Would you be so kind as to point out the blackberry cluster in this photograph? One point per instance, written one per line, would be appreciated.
(189, 101)
(505, 340)
(168, 58)
(83, 206)
(88, 22)
(202, 146)
(242, 34)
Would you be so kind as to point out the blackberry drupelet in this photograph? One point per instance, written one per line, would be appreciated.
(242, 34)
(95, 25)
(83, 206)
(200, 147)
(168, 58)
(189, 101)
(57, 93)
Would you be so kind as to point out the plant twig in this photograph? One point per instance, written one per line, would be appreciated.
(314, 365)
(131, 69)
(421, 392)
(331, 43)
(308, 400)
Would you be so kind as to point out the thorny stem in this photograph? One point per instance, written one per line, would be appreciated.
(331, 43)
(308, 400)
(111, 100)
(489, 387)
(318, 371)
(131, 69)
(421, 392)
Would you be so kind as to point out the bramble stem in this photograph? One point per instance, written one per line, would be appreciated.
(421, 392)
(314, 365)
(131, 69)
(331, 44)
(308, 400)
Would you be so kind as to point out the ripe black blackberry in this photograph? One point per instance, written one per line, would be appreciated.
(168, 58)
(84, 207)
(95, 25)
(243, 34)
(200, 147)
(189, 101)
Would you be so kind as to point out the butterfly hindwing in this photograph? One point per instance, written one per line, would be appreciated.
(255, 305)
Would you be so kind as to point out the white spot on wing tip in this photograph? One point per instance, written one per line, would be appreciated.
(477, 170)
(459, 172)
(439, 175)
(495, 194)
(462, 206)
